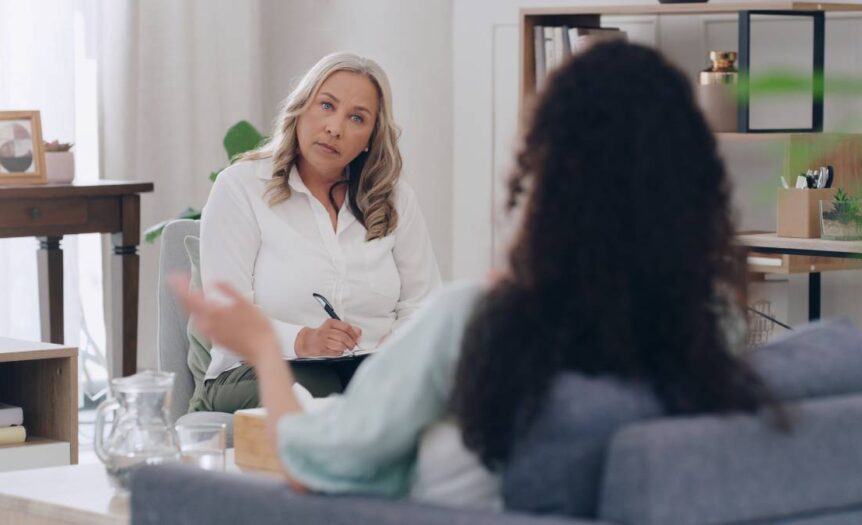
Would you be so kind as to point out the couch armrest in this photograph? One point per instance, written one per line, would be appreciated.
(168, 495)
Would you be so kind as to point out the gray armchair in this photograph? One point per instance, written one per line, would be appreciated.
(173, 321)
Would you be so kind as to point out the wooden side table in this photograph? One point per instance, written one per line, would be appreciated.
(42, 379)
(51, 211)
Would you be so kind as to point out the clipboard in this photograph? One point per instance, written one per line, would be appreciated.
(347, 356)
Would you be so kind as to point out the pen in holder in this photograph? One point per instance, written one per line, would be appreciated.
(799, 211)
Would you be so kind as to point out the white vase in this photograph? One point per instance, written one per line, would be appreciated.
(60, 166)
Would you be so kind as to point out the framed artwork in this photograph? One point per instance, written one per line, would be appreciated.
(22, 153)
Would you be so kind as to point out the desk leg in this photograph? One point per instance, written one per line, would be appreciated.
(125, 266)
(813, 296)
(49, 259)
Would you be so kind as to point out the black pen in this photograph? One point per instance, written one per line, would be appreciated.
(326, 306)
(330, 311)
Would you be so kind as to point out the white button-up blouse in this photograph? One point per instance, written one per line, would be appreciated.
(280, 255)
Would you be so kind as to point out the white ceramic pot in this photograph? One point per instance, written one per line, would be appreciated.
(60, 166)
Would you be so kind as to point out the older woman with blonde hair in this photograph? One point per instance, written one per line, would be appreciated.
(318, 210)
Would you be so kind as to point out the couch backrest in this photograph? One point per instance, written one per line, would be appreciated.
(734, 469)
(818, 359)
(173, 320)
(556, 467)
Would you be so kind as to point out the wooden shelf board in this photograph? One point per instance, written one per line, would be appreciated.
(33, 441)
(771, 240)
(692, 9)
(16, 350)
(775, 137)
(795, 264)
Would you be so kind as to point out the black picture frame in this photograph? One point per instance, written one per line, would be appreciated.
(817, 95)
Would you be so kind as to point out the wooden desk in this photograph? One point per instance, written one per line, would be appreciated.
(771, 243)
(51, 211)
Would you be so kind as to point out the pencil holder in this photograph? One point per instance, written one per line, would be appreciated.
(799, 211)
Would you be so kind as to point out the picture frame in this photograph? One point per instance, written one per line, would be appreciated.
(22, 152)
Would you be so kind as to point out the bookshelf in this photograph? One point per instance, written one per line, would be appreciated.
(41, 378)
(841, 150)
(590, 16)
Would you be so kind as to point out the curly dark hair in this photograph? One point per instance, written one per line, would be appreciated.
(624, 264)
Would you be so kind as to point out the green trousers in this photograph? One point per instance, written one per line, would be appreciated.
(236, 389)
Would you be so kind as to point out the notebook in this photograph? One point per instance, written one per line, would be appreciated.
(346, 356)
(10, 415)
(12, 435)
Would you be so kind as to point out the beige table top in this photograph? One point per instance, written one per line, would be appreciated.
(72, 495)
(771, 240)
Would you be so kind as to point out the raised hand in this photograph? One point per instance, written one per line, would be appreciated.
(237, 324)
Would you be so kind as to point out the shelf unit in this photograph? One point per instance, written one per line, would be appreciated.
(590, 16)
(42, 379)
(843, 151)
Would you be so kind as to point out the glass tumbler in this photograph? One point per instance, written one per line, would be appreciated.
(203, 445)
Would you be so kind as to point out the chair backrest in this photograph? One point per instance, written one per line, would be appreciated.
(739, 469)
(173, 320)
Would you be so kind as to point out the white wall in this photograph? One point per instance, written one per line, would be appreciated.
(412, 41)
(485, 62)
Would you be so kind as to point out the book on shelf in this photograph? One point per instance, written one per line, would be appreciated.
(10, 415)
(559, 49)
(550, 54)
(12, 435)
(583, 37)
(539, 54)
(552, 45)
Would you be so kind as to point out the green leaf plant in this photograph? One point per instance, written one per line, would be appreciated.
(240, 138)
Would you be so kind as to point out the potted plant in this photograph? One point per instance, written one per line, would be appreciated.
(841, 218)
(240, 138)
(59, 162)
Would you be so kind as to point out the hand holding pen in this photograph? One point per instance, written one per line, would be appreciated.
(331, 339)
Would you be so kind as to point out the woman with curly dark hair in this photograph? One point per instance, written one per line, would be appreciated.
(624, 268)
(624, 263)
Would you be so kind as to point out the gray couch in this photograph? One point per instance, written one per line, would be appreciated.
(173, 321)
(602, 452)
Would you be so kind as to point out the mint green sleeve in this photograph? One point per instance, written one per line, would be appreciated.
(366, 440)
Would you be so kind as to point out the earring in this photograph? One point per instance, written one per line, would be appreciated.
(366, 149)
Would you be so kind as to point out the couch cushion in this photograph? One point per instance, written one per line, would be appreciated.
(199, 346)
(181, 495)
(819, 359)
(556, 467)
(732, 469)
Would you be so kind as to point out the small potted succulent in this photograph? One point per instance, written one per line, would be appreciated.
(59, 162)
(841, 218)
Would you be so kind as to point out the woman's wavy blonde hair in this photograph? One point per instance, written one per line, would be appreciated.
(371, 192)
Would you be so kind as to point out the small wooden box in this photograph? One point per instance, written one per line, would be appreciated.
(252, 447)
(799, 211)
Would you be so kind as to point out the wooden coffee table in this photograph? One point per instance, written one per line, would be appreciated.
(72, 495)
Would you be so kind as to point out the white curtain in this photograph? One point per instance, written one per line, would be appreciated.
(47, 63)
(173, 77)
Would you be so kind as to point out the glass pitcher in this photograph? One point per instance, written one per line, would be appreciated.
(141, 433)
